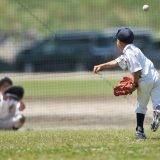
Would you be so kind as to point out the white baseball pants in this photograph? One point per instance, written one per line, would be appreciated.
(146, 89)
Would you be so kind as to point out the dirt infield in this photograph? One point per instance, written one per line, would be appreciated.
(82, 113)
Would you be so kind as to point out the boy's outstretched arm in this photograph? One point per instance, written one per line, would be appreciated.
(109, 64)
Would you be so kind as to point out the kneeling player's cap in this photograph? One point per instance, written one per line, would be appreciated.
(16, 92)
(125, 35)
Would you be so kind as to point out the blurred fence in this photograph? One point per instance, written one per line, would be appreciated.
(45, 46)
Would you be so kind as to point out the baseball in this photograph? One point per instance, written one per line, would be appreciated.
(145, 7)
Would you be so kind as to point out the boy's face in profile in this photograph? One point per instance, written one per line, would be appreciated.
(4, 87)
(120, 45)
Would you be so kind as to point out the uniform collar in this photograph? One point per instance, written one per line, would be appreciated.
(126, 47)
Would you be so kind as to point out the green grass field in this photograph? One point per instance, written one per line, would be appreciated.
(53, 16)
(78, 145)
(67, 87)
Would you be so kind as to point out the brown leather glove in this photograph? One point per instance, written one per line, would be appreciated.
(125, 87)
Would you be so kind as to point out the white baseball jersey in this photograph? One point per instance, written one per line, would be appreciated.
(149, 84)
(8, 116)
(7, 107)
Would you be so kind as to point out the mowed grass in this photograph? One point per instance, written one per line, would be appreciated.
(113, 144)
(37, 88)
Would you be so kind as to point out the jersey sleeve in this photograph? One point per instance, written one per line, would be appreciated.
(122, 62)
(1, 101)
(133, 61)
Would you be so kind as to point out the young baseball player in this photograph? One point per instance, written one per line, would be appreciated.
(145, 77)
(9, 103)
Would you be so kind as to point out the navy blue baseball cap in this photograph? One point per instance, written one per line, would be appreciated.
(125, 35)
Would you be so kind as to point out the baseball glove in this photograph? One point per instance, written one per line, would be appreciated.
(15, 92)
(125, 87)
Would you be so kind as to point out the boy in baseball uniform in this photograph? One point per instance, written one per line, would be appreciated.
(9, 104)
(145, 77)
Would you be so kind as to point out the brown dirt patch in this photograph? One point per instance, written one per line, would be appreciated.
(82, 112)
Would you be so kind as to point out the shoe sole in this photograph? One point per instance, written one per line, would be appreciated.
(156, 121)
(140, 136)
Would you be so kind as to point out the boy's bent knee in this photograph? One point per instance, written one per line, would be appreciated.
(141, 110)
